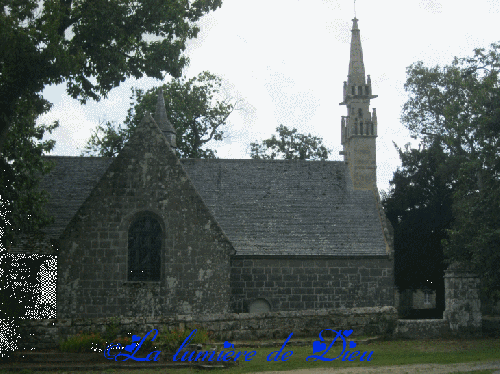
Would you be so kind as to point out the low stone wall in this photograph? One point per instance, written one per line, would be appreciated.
(46, 334)
(422, 329)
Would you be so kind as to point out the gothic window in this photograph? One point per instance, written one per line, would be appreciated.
(356, 126)
(144, 248)
(372, 128)
(360, 113)
(367, 88)
(353, 90)
(361, 128)
(360, 90)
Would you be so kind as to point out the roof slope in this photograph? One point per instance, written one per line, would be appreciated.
(265, 207)
(276, 207)
(69, 185)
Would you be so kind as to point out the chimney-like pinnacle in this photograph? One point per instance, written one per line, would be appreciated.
(162, 121)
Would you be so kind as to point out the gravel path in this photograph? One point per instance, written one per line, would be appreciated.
(403, 369)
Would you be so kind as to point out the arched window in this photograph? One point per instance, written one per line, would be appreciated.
(144, 248)
(372, 128)
(360, 113)
(356, 126)
(361, 128)
(353, 90)
(367, 88)
(360, 90)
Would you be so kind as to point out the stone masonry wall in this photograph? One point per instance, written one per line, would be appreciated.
(45, 334)
(298, 284)
(362, 161)
(463, 305)
(146, 178)
(422, 329)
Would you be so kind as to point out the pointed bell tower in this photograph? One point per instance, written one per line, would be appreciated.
(359, 127)
(162, 121)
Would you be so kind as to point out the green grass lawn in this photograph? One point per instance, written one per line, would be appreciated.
(384, 353)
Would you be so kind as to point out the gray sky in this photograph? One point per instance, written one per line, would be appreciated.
(286, 60)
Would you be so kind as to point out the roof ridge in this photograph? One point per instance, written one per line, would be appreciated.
(259, 160)
(82, 157)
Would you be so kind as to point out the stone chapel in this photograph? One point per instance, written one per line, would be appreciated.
(148, 234)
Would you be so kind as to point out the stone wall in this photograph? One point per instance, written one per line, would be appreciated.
(379, 321)
(146, 178)
(303, 283)
(421, 301)
(414, 299)
(463, 305)
(422, 329)
(462, 315)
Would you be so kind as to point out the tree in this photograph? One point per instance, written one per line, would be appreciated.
(419, 207)
(22, 202)
(107, 140)
(22, 210)
(93, 45)
(195, 107)
(457, 106)
(290, 146)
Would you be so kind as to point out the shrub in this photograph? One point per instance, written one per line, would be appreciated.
(94, 342)
(127, 340)
(82, 343)
(171, 340)
(112, 329)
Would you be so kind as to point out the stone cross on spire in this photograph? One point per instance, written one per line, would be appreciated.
(162, 121)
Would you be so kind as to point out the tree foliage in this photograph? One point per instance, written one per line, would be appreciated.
(22, 203)
(290, 145)
(107, 140)
(457, 106)
(92, 45)
(196, 108)
(419, 207)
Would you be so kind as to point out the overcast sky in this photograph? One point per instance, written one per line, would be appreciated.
(286, 60)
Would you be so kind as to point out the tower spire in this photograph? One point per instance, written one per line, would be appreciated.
(162, 121)
(359, 127)
(356, 75)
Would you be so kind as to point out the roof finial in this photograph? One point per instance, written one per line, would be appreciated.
(354, 8)
(162, 121)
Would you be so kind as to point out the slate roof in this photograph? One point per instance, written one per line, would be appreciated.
(69, 184)
(277, 207)
(265, 207)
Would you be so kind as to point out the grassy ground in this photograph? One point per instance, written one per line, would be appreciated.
(385, 353)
